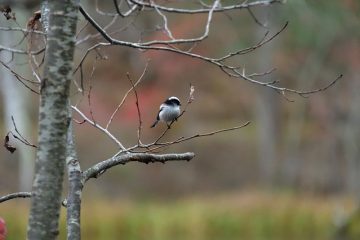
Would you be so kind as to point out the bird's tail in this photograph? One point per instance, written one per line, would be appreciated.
(154, 124)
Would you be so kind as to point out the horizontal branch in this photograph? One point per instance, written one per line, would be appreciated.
(244, 5)
(182, 139)
(190, 40)
(17, 29)
(159, 145)
(18, 51)
(232, 71)
(15, 195)
(101, 167)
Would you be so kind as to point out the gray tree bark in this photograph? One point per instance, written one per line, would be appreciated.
(53, 120)
(75, 187)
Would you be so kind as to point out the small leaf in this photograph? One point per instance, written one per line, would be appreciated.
(7, 145)
(10, 148)
(6, 10)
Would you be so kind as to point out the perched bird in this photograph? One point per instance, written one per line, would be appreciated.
(169, 111)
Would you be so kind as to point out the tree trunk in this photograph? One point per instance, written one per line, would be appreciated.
(266, 111)
(53, 120)
(75, 187)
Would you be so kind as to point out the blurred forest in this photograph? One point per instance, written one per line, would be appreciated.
(303, 152)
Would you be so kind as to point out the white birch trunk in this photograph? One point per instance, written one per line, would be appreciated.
(54, 120)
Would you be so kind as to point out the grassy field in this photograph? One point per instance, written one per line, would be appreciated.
(246, 215)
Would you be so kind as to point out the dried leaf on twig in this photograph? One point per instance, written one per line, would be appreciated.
(7, 145)
(8, 13)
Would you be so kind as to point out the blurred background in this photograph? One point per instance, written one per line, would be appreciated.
(293, 173)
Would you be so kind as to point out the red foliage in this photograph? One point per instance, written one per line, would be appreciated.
(2, 229)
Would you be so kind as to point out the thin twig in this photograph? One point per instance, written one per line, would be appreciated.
(204, 10)
(18, 51)
(89, 103)
(231, 71)
(166, 26)
(15, 195)
(21, 138)
(18, 76)
(131, 10)
(21, 79)
(151, 147)
(137, 107)
(262, 42)
(18, 29)
(255, 18)
(104, 130)
(126, 94)
(190, 40)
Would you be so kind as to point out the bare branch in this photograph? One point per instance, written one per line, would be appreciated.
(101, 167)
(90, 90)
(262, 42)
(304, 93)
(137, 107)
(92, 36)
(90, 107)
(190, 40)
(126, 94)
(231, 71)
(132, 9)
(32, 60)
(21, 79)
(244, 5)
(17, 29)
(158, 145)
(263, 74)
(255, 18)
(283, 90)
(20, 138)
(18, 51)
(94, 47)
(117, 7)
(15, 195)
(104, 130)
(165, 23)
(18, 76)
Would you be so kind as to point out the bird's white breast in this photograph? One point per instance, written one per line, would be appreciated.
(169, 113)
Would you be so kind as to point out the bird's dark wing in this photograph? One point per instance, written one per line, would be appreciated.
(157, 118)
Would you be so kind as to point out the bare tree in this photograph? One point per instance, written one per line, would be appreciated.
(53, 75)
(18, 107)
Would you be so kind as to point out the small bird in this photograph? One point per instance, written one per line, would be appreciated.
(169, 111)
